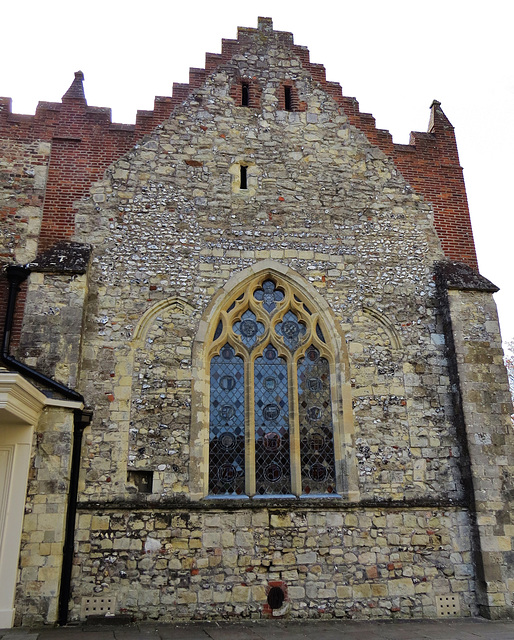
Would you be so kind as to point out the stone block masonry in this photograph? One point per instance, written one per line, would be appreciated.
(214, 564)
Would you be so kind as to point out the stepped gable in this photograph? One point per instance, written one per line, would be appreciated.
(430, 162)
(78, 132)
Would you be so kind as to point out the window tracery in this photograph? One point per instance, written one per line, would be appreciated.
(270, 425)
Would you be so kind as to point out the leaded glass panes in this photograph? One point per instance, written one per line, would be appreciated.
(227, 424)
(319, 333)
(316, 430)
(272, 460)
(281, 350)
(248, 329)
(268, 295)
(218, 331)
(291, 330)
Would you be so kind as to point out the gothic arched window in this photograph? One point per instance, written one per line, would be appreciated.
(270, 407)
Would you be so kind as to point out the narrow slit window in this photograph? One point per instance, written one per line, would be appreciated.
(243, 181)
(245, 94)
(288, 99)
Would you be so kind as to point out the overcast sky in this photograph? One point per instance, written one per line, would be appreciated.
(395, 57)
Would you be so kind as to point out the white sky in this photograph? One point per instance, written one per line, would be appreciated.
(395, 57)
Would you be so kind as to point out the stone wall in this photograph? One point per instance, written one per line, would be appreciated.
(171, 222)
(359, 563)
(51, 337)
(486, 406)
(83, 142)
(45, 511)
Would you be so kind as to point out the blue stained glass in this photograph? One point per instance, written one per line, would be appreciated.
(227, 424)
(272, 457)
(268, 295)
(316, 430)
(248, 329)
(291, 330)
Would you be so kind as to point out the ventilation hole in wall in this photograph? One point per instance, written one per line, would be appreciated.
(275, 597)
(245, 94)
(447, 606)
(143, 480)
(243, 177)
(98, 606)
(288, 102)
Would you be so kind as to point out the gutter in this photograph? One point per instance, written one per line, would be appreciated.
(16, 275)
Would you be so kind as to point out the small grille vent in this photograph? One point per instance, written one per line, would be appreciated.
(98, 606)
(448, 606)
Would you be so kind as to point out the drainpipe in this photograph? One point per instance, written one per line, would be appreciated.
(81, 419)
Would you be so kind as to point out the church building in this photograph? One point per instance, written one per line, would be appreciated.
(249, 366)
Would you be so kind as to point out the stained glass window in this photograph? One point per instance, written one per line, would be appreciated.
(227, 424)
(272, 465)
(316, 432)
(248, 329)
(269, 379)
(268, 295)
(291, 330)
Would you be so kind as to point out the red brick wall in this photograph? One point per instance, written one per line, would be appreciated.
(84, 142)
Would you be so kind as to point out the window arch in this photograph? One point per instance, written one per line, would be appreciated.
(271, 426)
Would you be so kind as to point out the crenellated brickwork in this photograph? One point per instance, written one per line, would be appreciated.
(85, 142)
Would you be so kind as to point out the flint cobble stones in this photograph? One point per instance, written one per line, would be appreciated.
(338, 213)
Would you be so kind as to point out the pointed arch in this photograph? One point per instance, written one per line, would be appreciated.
(386, 324)
(173, 305)
(320, 331)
